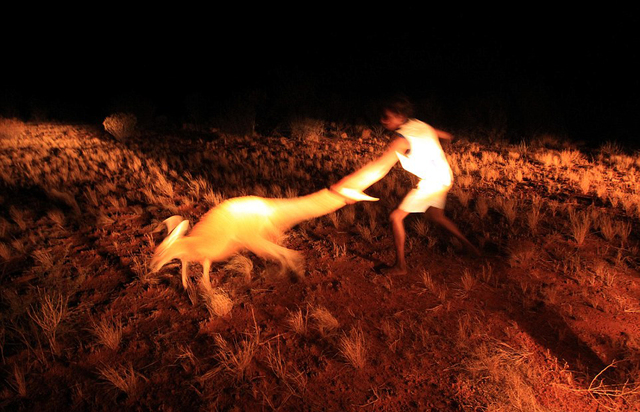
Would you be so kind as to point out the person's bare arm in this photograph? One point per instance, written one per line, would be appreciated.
(443, 135)
(375, 170)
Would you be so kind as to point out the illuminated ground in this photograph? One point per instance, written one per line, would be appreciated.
(548, 320)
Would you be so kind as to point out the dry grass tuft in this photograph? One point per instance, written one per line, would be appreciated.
(108, 332)
(120, 125)
(234, 359)
(297, 321)
(241, 265)
(19, 383)
(580, 224)
(49, 315)
(217, 301)
(353, 348)
(124, 378)
(468, 281)
(502, 376)
(325, 321)
(294, 379)
(482, 207)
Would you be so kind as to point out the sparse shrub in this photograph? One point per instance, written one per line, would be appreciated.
(11, 128)
(334, 219)
(56, 217)
(19, 383)
(504, 375)
(623, 229)
(606, 226)
(463, 197)
(548, 158)
(487, 275)
(585, 182)
(19, 217)
(306, 129)
(339, 250)
(213, 198)
(120, 125)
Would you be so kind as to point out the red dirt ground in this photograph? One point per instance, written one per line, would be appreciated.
(530, 335)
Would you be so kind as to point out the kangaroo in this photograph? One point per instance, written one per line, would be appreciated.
(256, 224)
(249, 222)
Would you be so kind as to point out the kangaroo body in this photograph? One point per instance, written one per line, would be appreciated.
(244, 223)
(256, 224)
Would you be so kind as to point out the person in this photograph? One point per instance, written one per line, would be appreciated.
(417, 146)
(420, 152)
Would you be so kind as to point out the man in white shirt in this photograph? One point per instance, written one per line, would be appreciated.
(418, 148)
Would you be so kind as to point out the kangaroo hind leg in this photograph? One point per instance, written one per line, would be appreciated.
(288, 259)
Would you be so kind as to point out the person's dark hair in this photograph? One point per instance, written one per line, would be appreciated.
(399, 105)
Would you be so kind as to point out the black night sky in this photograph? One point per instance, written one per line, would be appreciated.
(573, 74)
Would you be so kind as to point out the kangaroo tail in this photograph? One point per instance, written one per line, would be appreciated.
(164, 252)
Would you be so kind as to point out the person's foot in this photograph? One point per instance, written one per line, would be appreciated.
(472, 249)
(475, 251)
(395, 270)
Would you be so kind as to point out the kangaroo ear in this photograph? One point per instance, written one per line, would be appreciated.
(181, 229)
(177, 233)
(172, 222)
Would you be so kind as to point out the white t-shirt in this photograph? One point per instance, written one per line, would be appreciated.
(426, 158)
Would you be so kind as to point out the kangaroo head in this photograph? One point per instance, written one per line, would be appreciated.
(164, 251)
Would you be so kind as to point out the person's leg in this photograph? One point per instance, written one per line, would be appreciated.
(437, 215)
(397, 225)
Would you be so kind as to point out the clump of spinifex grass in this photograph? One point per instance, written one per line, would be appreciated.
(353, 348)
(580, 224)
(431, 286)
(19, 383)
(235, 359)
(508, 208)
(534, 215)
(108, 332)
(468, 282)
(294, 379)
(297, 321)
(51, 312)
(325, 321)
(218, 302)
(241, 265)
(124, 378)
(502, 375)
